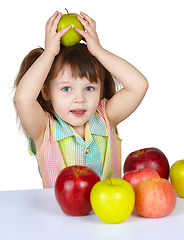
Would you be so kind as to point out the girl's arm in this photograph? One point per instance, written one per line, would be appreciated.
(135, 85)
(31, 114)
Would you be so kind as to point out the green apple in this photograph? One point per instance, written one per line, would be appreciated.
(177, 177)
(112, 200)
(72, 37)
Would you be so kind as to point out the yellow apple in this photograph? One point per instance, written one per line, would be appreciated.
(177, 177)
(112, 200)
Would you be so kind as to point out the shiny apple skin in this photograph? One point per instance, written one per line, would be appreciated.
(148, 158)
(155, 198)
(72, 37)
(72, 189)
(112, 200)
(177, 177)
(135, 177)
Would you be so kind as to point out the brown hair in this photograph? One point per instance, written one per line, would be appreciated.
(82, 64)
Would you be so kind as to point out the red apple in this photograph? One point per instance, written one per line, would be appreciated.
(73, 187)
(134, 177)
(148, 158)
(155, 198)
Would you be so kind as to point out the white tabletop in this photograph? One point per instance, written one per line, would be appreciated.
(35, 214)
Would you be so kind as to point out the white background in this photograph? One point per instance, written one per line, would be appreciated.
(148, 34)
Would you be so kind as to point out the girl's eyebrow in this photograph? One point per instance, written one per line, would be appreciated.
(63, 82)
(70, 82)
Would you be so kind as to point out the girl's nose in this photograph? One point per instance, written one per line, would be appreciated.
(79, 98)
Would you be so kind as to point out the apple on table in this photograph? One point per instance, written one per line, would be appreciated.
(135, 177)
(155, 198)
(177, 177)
(72, 189)
(72, 37)
(148, 158)
(112, 200)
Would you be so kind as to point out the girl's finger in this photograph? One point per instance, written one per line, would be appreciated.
(90, 20)
(56, 21)
(81, 32)
(64, 30)
(84, 23)
(51, 18)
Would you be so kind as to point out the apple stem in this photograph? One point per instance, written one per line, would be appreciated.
(67, 11)
(110, 181)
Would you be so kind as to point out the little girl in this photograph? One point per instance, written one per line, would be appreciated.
(67, 102)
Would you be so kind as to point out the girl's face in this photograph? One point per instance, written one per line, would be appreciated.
(75, 100)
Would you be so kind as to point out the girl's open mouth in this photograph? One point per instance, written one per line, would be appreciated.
(78, 112)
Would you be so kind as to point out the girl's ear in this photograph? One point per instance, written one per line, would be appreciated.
(45, 93)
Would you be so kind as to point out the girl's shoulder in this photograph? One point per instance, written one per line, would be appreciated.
(101, 111)
(101, 106)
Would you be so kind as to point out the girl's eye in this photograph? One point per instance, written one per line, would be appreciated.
(66, 89)
(89, 89)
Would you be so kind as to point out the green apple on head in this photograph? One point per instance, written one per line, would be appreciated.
(72, 37)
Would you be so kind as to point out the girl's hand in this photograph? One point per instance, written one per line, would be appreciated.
(90, 35)
(52, 37)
